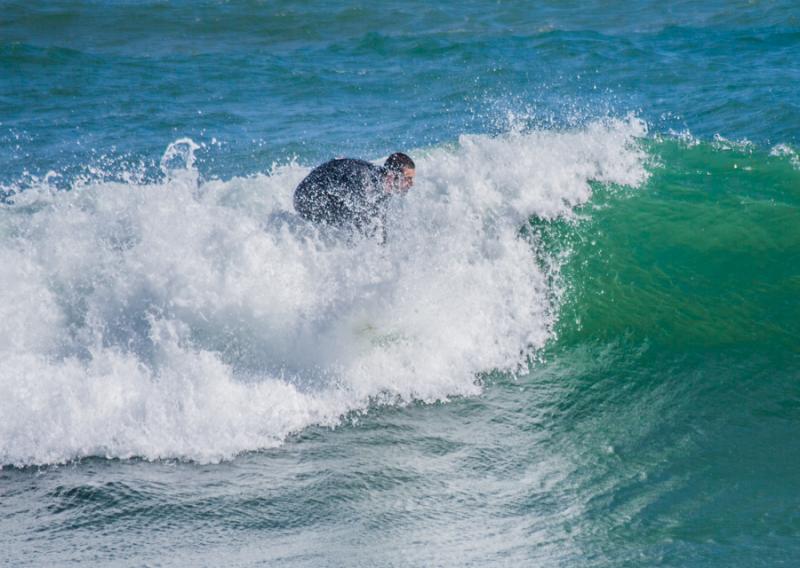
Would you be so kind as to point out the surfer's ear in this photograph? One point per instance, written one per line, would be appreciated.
(390, 181)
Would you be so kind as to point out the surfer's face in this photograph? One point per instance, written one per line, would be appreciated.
(401, 182)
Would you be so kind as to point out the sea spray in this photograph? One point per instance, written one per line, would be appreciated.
(199, 319)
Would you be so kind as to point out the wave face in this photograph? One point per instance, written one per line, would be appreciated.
(704, 257)
(198, 319)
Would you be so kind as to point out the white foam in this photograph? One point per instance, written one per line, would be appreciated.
(196, 320)
(786, 151)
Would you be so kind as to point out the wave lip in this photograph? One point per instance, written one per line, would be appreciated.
(199, 319)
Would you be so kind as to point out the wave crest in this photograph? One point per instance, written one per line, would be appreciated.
(197, 319)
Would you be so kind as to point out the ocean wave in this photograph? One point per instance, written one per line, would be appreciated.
(198, 319)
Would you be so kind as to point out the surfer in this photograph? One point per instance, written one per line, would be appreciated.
(354, 194)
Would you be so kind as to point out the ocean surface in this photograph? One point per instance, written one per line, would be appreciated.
(580, 346)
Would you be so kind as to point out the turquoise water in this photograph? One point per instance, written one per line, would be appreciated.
(578, 348)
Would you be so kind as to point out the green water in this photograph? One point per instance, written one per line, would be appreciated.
(705, 255)
(678, 359)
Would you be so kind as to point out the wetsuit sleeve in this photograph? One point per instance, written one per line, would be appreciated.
(345, 193)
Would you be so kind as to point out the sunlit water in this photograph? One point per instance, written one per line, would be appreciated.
(579, 346)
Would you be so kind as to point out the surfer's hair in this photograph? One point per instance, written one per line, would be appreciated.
(397, 162)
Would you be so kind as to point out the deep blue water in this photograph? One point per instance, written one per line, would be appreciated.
(271, 80)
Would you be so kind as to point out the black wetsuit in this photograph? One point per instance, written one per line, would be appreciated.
(345, 193)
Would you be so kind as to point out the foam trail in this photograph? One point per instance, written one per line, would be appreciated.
(196, 320)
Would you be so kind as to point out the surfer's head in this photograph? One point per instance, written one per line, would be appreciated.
(400, 172)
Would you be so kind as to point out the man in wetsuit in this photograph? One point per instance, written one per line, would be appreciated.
(353, 194)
